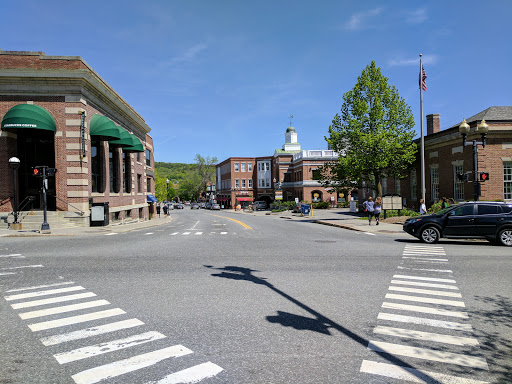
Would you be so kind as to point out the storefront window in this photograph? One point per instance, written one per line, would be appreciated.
(96, 167)
(113, 163)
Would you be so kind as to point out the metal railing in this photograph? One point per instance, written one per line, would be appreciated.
(71, 205)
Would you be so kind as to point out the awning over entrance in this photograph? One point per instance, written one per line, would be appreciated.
(244, 198)
(124, 138)
(104, 127)
(136, 147)
(152, 199)
(29, 116)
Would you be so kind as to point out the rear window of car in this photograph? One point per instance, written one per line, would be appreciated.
(506, 208)
(488, 209)
(464, 210)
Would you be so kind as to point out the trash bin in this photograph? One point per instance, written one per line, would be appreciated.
(99, 214)
(305, 209)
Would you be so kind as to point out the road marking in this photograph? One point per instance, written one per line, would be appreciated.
(417, 283)
(60, 299)
(121, 367)
(63, 309)
(185, 233)
(191, 375)
(424, 321)
(431, 262)
(149, 233)
(236, 221)
(424, 278)
(223, 233)
(425, 336)
(425, 300)
(102, 348)
(75, 319)
(193, 227)
(428, 354)
(89, 332)
(40, 286)
(433, 311)
(42, 293)
(110, 234)
(413, 375)
(369, 233)
(8, 273)
(425, 291)
(198, 233)
(22, 267)
(422, 258)
(428, 270)
(174, 233)
(14, 255)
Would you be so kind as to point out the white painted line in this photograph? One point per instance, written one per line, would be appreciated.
(424, 278)
(121, 367)
(425, 247)
(431, 262)
(110, 234)
(75, 319)
(42, 293)
(425, 300)
(11, 255)
(191, 375)
(369, 233)
(423, 258)
(417, 283)
(8, 273)
(174, 233)
(428, 354)
(63, 309)
(223, 233)
(114, 345)
(59, 299)
(185, 233)
(149, 233)
(434, 311)
(22, 267)
(413, 375)
(423, 321)
(425, 291)
(428, 270)
(89, 332)
(425, 336)
(199, 233)
(40, 286)
(194, 226)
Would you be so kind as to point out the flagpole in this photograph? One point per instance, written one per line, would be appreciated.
(422, 137)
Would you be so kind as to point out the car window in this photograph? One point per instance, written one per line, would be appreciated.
(487, 209)
(464, 210)
(506, 208)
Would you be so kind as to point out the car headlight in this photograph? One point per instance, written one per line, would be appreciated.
(414, 220)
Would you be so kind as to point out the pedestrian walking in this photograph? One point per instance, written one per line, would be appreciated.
(158, 209)
(377, 209)
(166, 209)
(423, 207)
(369, 208)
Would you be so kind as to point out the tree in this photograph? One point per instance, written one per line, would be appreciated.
(161, 188)
(373, 136)
(205, 170)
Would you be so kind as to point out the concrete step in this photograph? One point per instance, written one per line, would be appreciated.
(32, 220)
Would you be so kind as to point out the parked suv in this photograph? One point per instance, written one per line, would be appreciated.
(475, 220)
(257, 205)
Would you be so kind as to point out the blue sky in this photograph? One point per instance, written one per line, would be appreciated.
(220, 78)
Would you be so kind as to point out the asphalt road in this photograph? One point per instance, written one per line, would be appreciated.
(220, 298)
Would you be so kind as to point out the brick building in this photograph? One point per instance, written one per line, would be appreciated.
(58, 112)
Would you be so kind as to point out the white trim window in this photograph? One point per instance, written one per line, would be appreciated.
(244, 183)
(249, 167)
(237, 183)
(242, 167)
(434, 183)
(458, 185)
(249, 182)
(237, 167)
(413, 185)
(507, 180)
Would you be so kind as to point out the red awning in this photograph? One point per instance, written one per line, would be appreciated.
(244, 198)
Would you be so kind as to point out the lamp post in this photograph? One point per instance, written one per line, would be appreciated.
(481, 128)
(14, 163)
(167, 190)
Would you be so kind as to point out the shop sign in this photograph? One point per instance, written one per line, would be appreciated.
(279, 195)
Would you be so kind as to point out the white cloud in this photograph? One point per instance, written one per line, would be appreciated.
(417, 17)
(189, 55)
(402, 62)
(362, 20)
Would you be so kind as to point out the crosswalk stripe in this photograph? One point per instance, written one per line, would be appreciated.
(428, 354)
(121, 367)
(425, 300)
(425, 336)
(63, 309)
(22, 267)
(185, 233)
(42, 293)
(199, 233)
(149, 233)
(412, 374)
(223, 233)
(424, 278)
(423, 258)
(191, 375)
(174, 233)
(427, 269)
(15, 255)
(419, 284)
(40, 286)
(75, 319)
(59, 299)
(111, 234)
(424, 321)
(433, 311)
(8, 273)
(425, 291)
(102, 348)
(430, 261)
(89, 332)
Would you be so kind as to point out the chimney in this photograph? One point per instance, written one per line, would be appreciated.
(433, 123)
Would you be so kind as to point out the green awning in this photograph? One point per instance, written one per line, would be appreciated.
(125, 139)
(136, 145)
(29, 116)
(104, 127)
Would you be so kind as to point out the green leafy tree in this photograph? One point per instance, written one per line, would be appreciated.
(190, 187)
(373, 136)
(161, 188)
(205, 170)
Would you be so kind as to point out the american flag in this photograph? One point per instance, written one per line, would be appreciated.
(423, 77)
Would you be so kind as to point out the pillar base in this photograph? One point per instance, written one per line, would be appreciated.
(16, 226)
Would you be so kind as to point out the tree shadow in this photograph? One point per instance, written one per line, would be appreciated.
(319, 323)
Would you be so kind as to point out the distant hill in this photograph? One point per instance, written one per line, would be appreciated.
(174, 171)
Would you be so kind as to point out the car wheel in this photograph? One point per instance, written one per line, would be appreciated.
(505, 237)
(430, 235)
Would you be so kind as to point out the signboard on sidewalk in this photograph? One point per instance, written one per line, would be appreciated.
(279, 195)
(392, 202)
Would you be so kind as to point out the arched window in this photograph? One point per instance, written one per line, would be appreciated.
(316, 196)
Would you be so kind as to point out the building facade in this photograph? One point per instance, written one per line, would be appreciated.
(56, 111)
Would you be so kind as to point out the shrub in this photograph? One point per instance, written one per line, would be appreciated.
(345, 204)
(321, 205)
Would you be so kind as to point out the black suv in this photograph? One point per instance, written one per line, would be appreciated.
(477, 220)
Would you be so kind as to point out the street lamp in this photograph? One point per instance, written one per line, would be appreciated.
(14, 163)
(167, 190)
(481, 128)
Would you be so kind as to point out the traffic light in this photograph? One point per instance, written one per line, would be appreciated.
(36, 171)
(484, 176)
(462, 176)
(51, 171)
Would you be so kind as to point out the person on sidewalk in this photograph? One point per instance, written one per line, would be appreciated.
(369, 208)
(158, 209)
(377, 209)
(166, 209)
(423, 207)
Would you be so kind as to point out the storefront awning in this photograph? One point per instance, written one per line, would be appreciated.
(124, 140)
(136, 145)
(29, 116)
(104, 127)
(244, 198)
(151, 199)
